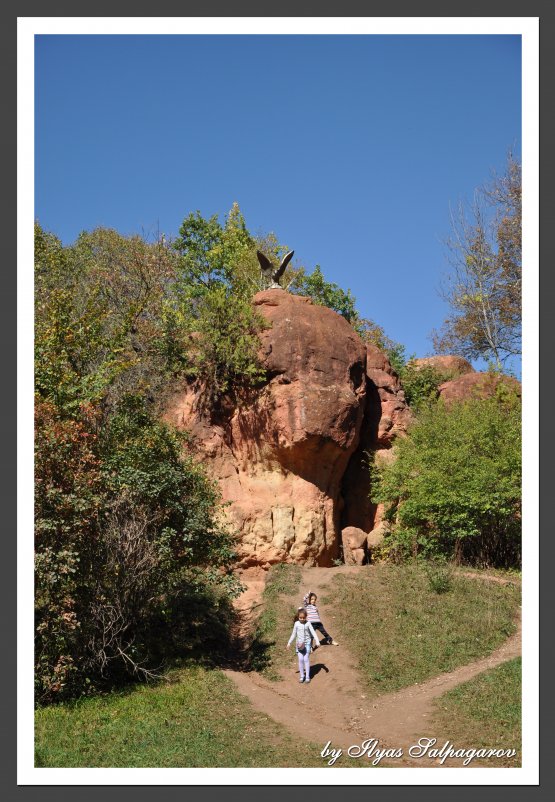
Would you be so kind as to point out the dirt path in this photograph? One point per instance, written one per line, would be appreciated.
(334, 706)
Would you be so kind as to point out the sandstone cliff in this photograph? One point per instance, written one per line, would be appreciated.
(292, 462)
(281, 458)
(386, 416)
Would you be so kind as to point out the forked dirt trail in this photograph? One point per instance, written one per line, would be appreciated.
(334, 706)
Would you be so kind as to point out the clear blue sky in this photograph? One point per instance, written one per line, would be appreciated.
(350, 148)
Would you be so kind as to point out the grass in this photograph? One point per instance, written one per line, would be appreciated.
(402, 632)
(485, 712)
(267, 653)
(388, 616)
(510, 574)
(197, 720)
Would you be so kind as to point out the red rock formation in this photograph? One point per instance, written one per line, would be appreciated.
(280, 458)
(386, 416)
(394, 412)
(475, 385)
(452, 366)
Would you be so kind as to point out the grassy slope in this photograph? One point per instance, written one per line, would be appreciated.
(403, 632)
(198, 720)
(274, 627)
(485, 712)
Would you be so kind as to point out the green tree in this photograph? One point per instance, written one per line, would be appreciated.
(99, 330)
(210, 305)
(483, 288)
(129, 529)
(455, 485)
(326, 293)
(199, 245)
(128, 532)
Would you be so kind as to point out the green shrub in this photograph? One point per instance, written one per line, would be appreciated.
(131, 557)
(455, 485)
(421, 383)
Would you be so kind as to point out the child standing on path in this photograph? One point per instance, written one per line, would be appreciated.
(303, 634)
(313, 615)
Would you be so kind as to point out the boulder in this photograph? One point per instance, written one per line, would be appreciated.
(450, 366)
(353, 541)
(279, 458)
(376, 359)
(358, 556)
(354, 537)
(384, 388)
(476, 385)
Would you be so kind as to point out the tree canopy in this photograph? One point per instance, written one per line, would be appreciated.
(128, 525)
(483, 288)
(130, 530)
(455, 484)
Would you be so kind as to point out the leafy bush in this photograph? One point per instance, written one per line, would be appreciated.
(326, 293)
(129, 533)
(209, 305)
(455, 486)
(127, 536)
(421, 383)
(68, 507)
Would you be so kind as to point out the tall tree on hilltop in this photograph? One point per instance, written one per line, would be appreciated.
(483, 288)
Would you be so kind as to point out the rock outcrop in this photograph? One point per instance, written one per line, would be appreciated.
(450, 366)
(394, 414)
(280, 458)
(475, 385)
(386, 416)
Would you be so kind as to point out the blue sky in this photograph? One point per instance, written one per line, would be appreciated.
(349, 148)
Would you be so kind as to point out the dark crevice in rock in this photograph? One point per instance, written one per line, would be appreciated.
(358, 510)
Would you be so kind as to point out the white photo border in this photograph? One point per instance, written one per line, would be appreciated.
(528, 29)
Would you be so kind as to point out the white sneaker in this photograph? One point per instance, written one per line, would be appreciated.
(302, 679)
(334, 643)
(307, 680)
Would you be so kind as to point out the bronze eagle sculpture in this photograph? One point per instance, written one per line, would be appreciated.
(271, 275)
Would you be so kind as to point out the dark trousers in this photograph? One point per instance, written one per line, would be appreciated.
(317, 625)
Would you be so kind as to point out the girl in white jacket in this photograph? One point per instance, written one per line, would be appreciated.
(303, 634)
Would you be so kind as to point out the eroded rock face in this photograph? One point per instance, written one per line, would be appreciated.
(386, 416)
(475, 385)
(452, 366)
(395, 414)
(280, 458)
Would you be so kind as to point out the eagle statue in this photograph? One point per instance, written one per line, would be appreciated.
(271, 275)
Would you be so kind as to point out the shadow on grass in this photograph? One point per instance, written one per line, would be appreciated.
(256, 656)
(260, 651)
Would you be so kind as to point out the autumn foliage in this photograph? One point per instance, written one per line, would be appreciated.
(130, 547)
